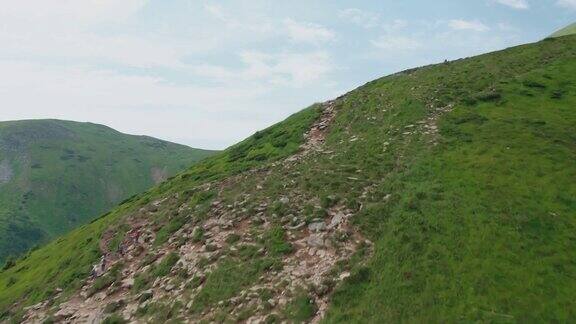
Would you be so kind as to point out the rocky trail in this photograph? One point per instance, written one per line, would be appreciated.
(309, 258)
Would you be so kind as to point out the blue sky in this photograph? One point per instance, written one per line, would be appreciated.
(210, 73)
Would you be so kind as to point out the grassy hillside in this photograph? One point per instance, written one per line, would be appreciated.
(460, 174)
(56, 175)
(570, 30)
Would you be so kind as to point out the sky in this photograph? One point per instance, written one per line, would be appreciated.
(210, 73)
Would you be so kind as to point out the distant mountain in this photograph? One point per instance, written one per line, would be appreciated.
(56, 175)
(570, 30)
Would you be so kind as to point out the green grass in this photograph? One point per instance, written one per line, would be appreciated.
(301, 309)
(569, 30)
(165, 265)
(63, 174)
(481, 227)
(275, 242)
(227, 280)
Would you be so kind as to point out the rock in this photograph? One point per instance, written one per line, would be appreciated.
(297, 227)
(144, 296)
(336, 220)
(317, 227)
(63, 314)
(284, 200)
(169, 287)
(315, 240)
(129, 310)
(127, 283)
(282, 301)
(344, 275)
(34, 307)
(152, 208)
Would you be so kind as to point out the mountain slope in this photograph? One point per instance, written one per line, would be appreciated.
(56, 175)
(443, 193)
(570, 30)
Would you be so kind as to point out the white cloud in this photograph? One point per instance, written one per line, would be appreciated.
(159, 108)
(360, 17)
(294, 70)
(217, 11)
(570, 4)
(395, 25)
(70, 12)
(396, 42)
(302, 32)
(65, 31)
(473, 25)
(515, 4)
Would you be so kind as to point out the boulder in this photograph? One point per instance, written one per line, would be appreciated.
(317, 227)
(336, 220)
(316, 241)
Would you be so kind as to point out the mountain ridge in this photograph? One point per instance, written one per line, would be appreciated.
(566, 31)
(44, 161)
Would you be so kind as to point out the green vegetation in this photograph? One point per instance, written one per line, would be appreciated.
(275, 242)
(570, 30)
(114, 319)
(56, 175)
(144, 279)
(165, 265)
(301, 309)
(173, 225)
(161, 312)
(468, 173)
(227, 280)
(111, 277)
(481, 226)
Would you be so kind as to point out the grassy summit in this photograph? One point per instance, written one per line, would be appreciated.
(570, 30)
(56, 175)
(460, 174)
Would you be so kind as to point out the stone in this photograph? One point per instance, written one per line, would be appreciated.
(127, 283)
(297, 227)
(146, 295)
(344, 275)
(336, 220)
(284, 200)
(317, 227)
(315, 240)
(63, 314)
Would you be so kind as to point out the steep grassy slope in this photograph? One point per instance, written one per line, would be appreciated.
(570, 30)
(56, 175)
(461, 174)
(66, 262)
